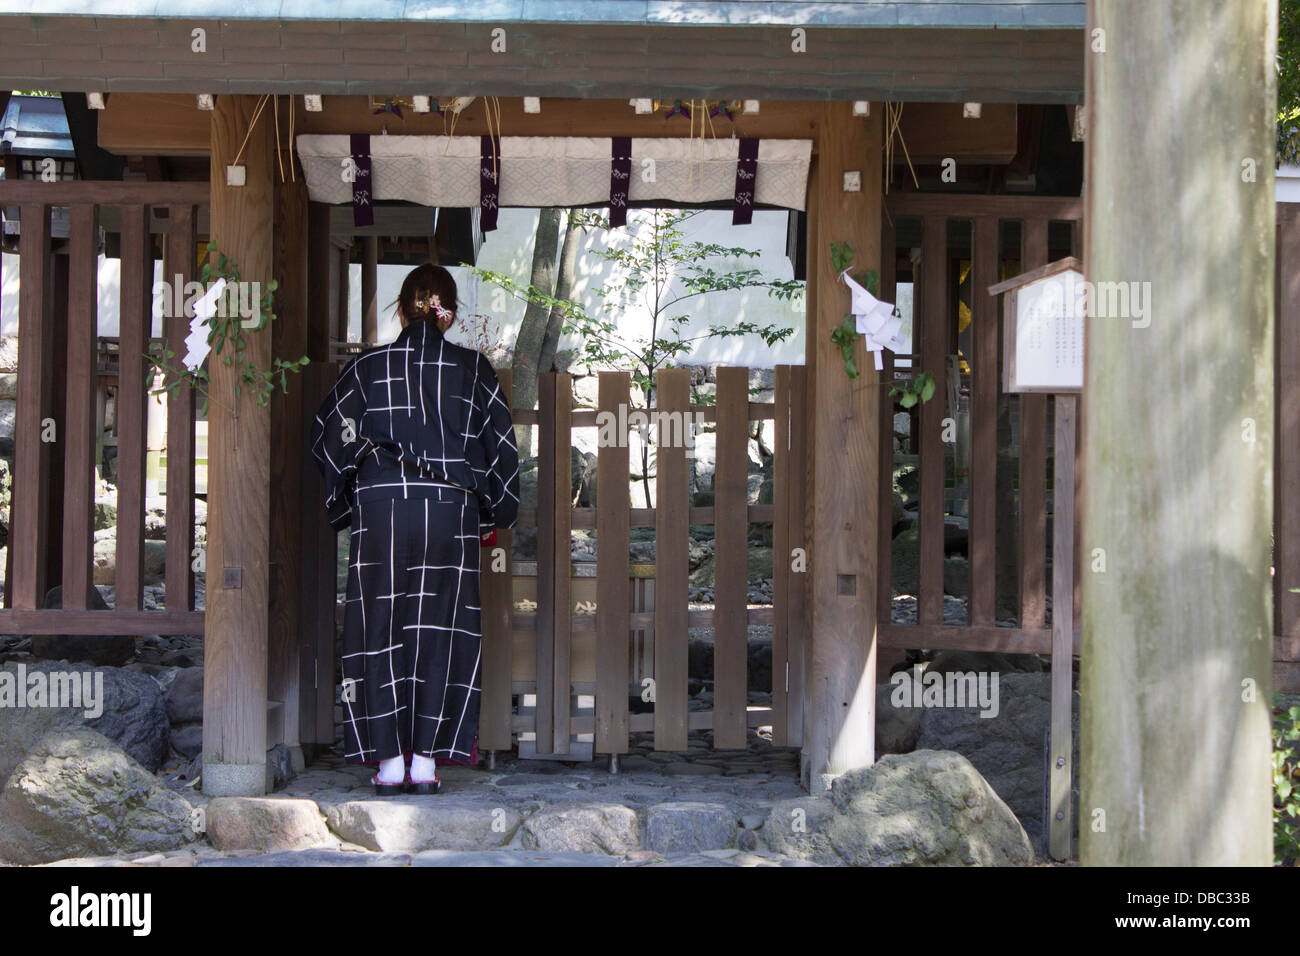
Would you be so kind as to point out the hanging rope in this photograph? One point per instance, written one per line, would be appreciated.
(257, 113)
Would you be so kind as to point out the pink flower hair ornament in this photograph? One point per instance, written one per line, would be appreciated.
(424, 304)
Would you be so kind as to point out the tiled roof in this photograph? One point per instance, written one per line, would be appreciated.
(844, 13)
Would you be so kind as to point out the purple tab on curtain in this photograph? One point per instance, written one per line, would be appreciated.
(489, 177)
(620, 178)
(742, 210)
(363, 211)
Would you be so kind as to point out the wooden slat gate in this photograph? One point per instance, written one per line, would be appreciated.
(563, 637)
(992, 238)
(51, 540)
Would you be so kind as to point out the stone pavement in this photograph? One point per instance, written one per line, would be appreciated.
(697, 808)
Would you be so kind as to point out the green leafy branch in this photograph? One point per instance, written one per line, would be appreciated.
(225, 327)
(1286, 782)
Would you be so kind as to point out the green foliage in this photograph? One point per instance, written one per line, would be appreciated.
(1286, 783)
(908, 393)
(1288, 81)
(226, 327)
(659, 271)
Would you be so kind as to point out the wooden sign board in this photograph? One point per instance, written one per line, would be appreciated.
(1042, 321)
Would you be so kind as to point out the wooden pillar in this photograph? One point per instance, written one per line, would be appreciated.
(30, 505)
(57, 403)
(1175, 663)
(344, 307)
(318, 544)
(235, 638)
(370, 290)
(844, 424)
(288, 342)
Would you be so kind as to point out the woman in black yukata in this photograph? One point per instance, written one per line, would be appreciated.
(418, 454)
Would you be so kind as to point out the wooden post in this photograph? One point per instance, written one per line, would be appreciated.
(496, 597)
(1061, 749)
(288, 438)
(612, 573)
(844, 418)
(344, 291)
(318, 547)
(370, 290)
(235, 638)
(30, 506)
(1177, 631)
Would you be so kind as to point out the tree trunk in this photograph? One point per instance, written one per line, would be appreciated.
(1178, 436)
(532, 331)
(563, 289)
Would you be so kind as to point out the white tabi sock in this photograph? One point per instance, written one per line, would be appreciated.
(423, 768)
(392, 770)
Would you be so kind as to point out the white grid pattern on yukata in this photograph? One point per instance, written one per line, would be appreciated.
(485, 408)
(456, 631)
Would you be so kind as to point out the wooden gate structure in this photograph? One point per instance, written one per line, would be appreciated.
(50, 540)
(1000, 236)
(578, 639)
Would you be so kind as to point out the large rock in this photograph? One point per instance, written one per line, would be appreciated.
(415, 824)
(690, 827)
(134, 715)
(924, 808)
(586, 828)
(897, 728)
(107, 650)
(1010, 750)
(185, 696)
(77, 794)
(905, 560)
(950, 661)
(801, 828)
(265, 824)
(927, 808)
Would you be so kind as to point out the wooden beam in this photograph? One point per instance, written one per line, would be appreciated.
(934, 132)
(154, 124)
(58, 621)
(985, 639)
(235, 635)
(140, 124)
(125, 193)
(846, 415)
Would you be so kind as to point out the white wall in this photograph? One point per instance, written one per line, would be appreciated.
(1287, 184)
(509, 249)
